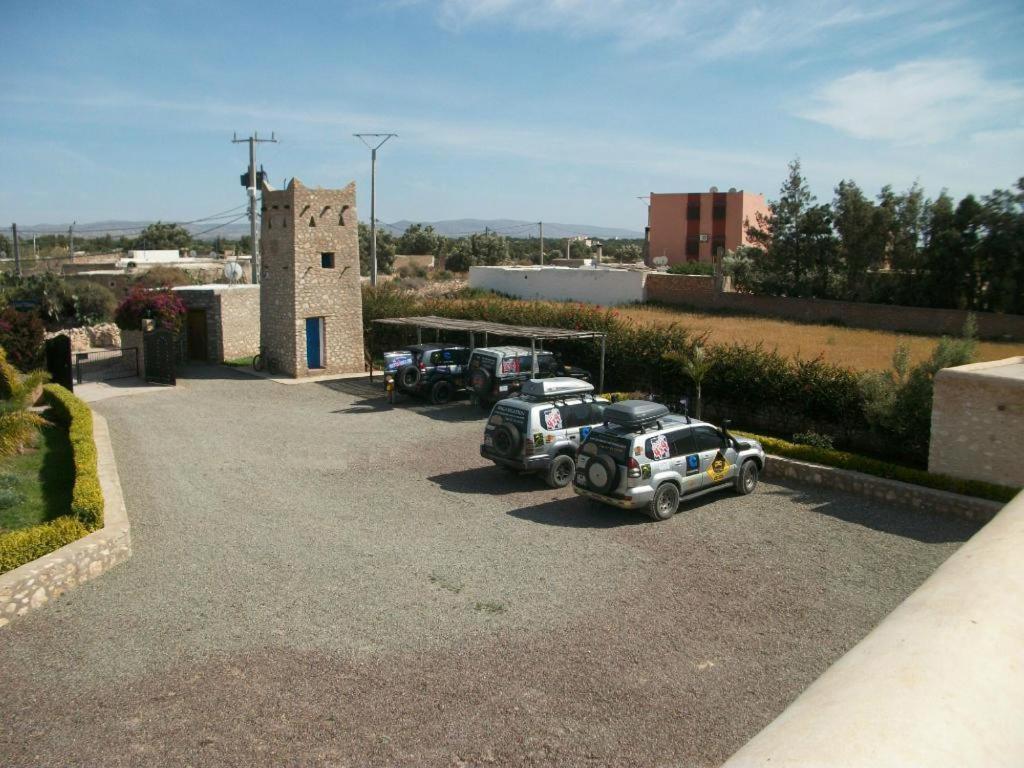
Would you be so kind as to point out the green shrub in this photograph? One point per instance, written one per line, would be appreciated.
(813, 439)
(869, 466)
(692, 268)
(27, 544)
(86, 496)
(94, 303)
(21, 334)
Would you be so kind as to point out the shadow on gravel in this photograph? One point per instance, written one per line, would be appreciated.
(578, 512)
(919, 525)
(492, 481)
(372, 399)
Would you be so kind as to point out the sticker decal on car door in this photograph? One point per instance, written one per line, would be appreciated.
(719, 468)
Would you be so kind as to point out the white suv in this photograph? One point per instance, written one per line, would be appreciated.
(541, 429)
(645, 457)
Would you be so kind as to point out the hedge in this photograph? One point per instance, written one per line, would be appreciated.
(86, 513)
(27, 544)
(86, 498)
(851, 461)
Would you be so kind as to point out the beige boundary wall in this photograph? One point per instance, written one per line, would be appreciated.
(978, 422)
(697, 292)
(34, 584)
(939, 683)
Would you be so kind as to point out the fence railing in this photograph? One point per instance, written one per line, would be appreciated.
(106, 364)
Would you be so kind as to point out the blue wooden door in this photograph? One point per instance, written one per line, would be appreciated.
(313, 342)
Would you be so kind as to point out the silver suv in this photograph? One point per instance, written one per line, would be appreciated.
(541, 429)
(645, 457)
(494, 373)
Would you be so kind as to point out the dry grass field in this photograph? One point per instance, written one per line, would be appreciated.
(853, 347)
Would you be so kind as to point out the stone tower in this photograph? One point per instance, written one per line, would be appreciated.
(311, 310)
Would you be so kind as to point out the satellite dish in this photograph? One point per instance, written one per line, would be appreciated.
(233, 272)
(660, 261)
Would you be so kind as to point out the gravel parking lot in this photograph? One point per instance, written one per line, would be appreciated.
(322, 579)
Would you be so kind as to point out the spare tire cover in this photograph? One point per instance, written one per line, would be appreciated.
(480, 381)
(409, 376)
(601, 473)
(507, 439)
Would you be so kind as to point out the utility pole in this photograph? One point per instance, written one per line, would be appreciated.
(71, 241)
(568, 247)
(17, 250)
(251, 189)
(372, 143)
(541, 225)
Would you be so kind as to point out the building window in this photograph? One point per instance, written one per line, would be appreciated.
(693, 211)
(718, 212)
(327, 260)
(693, 246)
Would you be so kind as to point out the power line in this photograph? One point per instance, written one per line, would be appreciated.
(138, 227)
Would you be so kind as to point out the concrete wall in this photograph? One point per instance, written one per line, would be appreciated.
(596, 286)
(299, 224)
(695, 292)
(978, 422)
(939, 683)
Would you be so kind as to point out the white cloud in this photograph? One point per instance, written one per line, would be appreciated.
(708, 29)
(921, 102)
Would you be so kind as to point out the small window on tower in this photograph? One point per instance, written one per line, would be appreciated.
(312, 221)
(327, 260)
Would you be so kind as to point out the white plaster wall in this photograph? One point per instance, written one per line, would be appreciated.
(939, 683)
(594, 286)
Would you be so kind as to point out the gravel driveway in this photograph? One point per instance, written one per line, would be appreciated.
(321, 579)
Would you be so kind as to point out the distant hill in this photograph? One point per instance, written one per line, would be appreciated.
(448, 227)
(514, 228)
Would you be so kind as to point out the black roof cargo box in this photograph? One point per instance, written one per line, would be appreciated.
(635, 414)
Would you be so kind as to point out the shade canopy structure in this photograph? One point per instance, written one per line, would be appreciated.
(536, 334)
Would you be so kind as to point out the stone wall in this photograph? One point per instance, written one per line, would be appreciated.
(696, 292)
(86, 337)
(34, 584)
(882, 489)
(978, 422)
(240, 322)
(299, 225)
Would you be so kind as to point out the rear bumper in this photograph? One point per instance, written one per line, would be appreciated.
(616, 501)
(525, 463)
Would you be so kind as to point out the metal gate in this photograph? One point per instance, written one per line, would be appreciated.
(107, 364)
(58, 361)
(161, 350)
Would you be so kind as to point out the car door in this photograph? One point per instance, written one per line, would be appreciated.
(686, 459)
(460, 358)
(717, 459)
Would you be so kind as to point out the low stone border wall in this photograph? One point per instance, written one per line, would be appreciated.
(34, 584)
(882, 489)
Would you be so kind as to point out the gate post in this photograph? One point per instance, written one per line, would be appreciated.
(58, 361)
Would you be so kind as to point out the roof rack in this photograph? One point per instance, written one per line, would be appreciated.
(559, 387)
(635, 415)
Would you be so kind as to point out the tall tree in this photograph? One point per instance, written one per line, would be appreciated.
(860, 227)
(418, 240)
(161, 236)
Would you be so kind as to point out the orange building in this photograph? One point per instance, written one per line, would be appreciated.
(693, 226)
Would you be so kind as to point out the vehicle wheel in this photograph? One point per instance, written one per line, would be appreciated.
(506, 440)
(664, 503)
(746, 478)
(560, 471)
(408, 376)
(601, 473)
(441, 392)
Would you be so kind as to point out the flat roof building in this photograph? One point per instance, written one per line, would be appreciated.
(695, 226)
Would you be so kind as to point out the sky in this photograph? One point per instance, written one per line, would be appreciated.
(557, 110)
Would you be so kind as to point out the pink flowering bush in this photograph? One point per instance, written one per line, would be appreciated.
(163, 306)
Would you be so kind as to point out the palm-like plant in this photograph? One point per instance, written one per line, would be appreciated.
(18, 425)
(696, 365)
